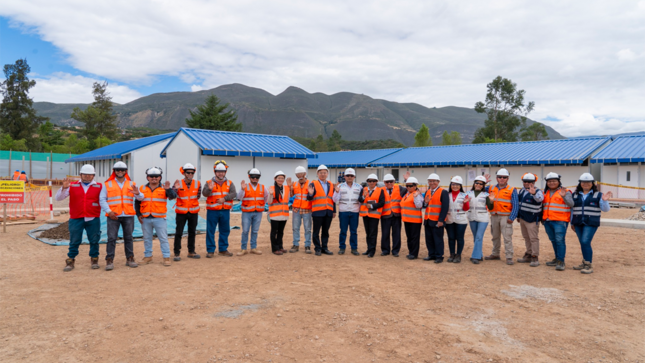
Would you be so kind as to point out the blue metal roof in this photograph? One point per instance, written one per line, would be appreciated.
(349, 159)
(116, 150)
(625, 149)
(226, 143)
(566, 151)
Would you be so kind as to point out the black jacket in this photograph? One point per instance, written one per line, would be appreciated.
(322, 213)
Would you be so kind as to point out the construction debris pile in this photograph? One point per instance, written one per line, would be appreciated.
(60, 232)
(640, 216)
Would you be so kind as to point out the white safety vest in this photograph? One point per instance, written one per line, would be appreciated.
(478, 211)
(456, 212)
(348, 201)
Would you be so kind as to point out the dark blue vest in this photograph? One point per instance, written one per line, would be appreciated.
(530, 210)
(588, 211)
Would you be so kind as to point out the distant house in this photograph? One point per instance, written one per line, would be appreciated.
(623, 163)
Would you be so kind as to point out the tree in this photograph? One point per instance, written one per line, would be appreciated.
(8, 143)
(99, 119)
(453, 138)
(17, 115)
(212, 116)
(535, 132)
(333, 143)
(75, 146)
(318, 144)
(505, 109)
(49, 136)
(422, 138)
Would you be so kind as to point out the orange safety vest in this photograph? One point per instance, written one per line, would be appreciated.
(253, 200)
(387, 208)
(554, 208)
(23, 177)
(154, 202)
(502, 205)
(395, 199)
(280, 209)
(120, 200)
(188, 198)
(16, 175)
(218, 192)
(365, 211)
(300, 193)
(409, 212)
(434, 207)
(321, 201)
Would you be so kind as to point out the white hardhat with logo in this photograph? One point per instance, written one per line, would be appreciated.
(412, 180)
(552, 175)
(434, 176)
(220, 167)
(322, 167)
(154, 171)
(188, 166)
(278, 173)
(372, 177)
(586, 177)
(529, 177)
(481, 178)
(389, 177)
(457, 180)
(120, 165)
(300, 169)
(87, 169)
(255, 171)
(350, 171)
(503, 172)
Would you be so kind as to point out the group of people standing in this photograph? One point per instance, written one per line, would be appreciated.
(314, 206)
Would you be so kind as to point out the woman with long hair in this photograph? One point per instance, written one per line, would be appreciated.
(556, 214)
(278, 211)
(412, 216)
(456, 220)
(478, 216)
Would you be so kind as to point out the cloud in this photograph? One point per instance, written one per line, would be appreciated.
(196, 87)
(583, 124)
(67, 88)
(571, 57)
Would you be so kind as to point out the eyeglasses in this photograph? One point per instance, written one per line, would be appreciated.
(154, 176)
(389, 182)
(254, 177)
(479, 184)
(410, 186)
(372, 181)
(118, 170)
(189, 172)
(349, 176)
(502, 177)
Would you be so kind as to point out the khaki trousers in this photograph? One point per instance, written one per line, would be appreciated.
(530, 234)
(501, 228)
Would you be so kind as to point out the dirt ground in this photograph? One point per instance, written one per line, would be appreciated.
(303, 308)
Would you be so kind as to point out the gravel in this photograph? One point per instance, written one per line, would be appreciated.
(640, 216)
(60, 232)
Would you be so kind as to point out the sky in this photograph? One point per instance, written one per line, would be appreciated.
(581, 62)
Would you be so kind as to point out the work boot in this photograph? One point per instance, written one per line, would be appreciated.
(294, 249)
(130, 262)
(475, 261)
(492, 257)
(109, 264)
(457, 259)
(225, 254)
(95, 262)
(177, 258)
(210, 255)
(552, 263)
(146, 260)
(451, 258)
(525, 259)
(341, 252)
(278, 252)
(255, 251)
(166, 261)
(308, 250)
(355, 253)
(509, 261)
(559, 266)
(580, 266)
(534, 261)
(193, 255)
(588, 269)
(242, 252)
(69, 264)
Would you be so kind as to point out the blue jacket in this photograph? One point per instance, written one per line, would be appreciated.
(530, 209)
(586, 212)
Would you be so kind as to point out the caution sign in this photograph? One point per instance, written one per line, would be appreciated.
(12, 191)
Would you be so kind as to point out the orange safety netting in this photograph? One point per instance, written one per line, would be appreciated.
(36, 204)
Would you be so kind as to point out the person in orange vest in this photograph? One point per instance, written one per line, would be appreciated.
(321, 193)
(301, 210)
(372, 201)
(392, 222)
(436, 202)
(117, 201)
(16, 175)
(254, 197)
(278, 211)
(412, 215)
(187, 210)
(84, 214)
(23, 176)
(556, 214)
(151, 211)
(220, 193)
(505, 210)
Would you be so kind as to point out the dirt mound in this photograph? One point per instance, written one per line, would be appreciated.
(640, 216)
(60, 232)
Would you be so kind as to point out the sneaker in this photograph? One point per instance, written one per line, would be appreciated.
(355, 253)
(509, 261)
(559, 266)
(580, 266)
(146, 260)
(294, 249)
(534, 262)
(69, 264)
(177, 258)
(255, 251)
(308, 250)
(242, 252)
(109, 264)
(492, 257)
(341, 252)
(166, 261)
(194, 255)
(130, 262)
(526, 259)
(318, 253)
(475, 261)
(552, 263)
(588, 269)
(95, 263)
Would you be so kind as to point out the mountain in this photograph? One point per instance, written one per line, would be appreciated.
(295, 112)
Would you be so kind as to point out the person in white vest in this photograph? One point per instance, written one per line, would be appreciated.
(346, 196)
(478, 216)
(456, 220)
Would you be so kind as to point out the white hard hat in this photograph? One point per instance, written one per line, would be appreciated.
(529, 177)
(254, 171)
(279, 172)
(119, 165)
(503, 172)
(189, 166)
(87, 169)
(586, 177)
(457, 180)
(481, 178)
(389, 177)
(220, 167)
(434, 176)
(552, 175)
(154, 171)
(322, 167)
(412, 180)
(372, 177)
(350, 171)
(300, 169)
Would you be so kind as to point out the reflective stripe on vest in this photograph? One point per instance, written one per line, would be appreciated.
(120, 200)
(365, 210)
(321, 201)
(300, 193)
(188, 198)
(554, 208)
(434, 207)
(84, 204)
(154, 202)
(395, 199)
(253, 200)
(409, 212)
(280, 209)
(502, 204)
(218, 192)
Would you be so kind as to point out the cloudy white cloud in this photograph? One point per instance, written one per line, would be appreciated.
(67, 88)
(572, 57)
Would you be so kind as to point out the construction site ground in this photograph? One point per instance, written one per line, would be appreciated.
(304, 308)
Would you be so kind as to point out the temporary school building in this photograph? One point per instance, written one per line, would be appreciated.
(622, 167)
(359, 160)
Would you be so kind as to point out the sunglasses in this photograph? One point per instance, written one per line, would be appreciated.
(479, 184)
(372, 181)
(389, 182)
(154, 176)
(254, 177)
(410, 186)
(349, 176)
(189, 172)
(118, 170)
(502, 177)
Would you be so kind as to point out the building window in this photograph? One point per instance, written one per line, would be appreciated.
(629, 176)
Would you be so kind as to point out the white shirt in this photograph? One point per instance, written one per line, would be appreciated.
(347, 198)
(63, 193)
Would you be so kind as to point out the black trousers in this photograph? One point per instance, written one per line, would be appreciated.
(392, 224)
(456, 234)
(434, 240)
(371, 230)
(413, 234)
(181, 219)
(319, 238)
(277, 231)
(127, 223)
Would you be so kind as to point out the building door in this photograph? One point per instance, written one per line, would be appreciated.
(627, 176)
(395, 174)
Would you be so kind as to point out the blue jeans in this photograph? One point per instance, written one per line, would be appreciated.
(213, 219)
(161, 228)
(93, 230)
(250, 222)
(299, 219)
(348, 219)
(478, 228)
(585, 235)
(557, 231)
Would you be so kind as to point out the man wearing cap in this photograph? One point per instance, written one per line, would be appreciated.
(301, 210)
(391, 223)
(254, 197)
(117, 201)
(372, 201)
(347, 195)
(530, 203)
(16, 175)
(220, 193)
(187, 210)
(502, 216)
(321, 193)
(84, 214)
(437, 203)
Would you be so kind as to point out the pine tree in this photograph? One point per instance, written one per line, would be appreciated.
(422, 138)
(99, 119)
(213, 116)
